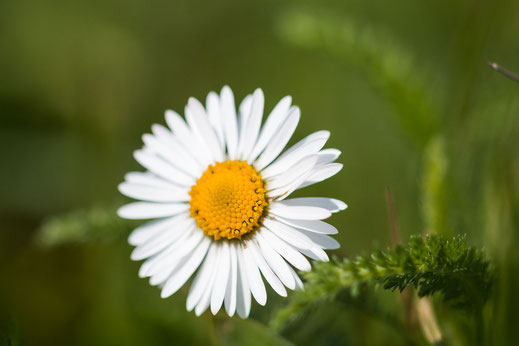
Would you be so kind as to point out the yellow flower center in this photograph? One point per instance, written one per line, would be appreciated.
(228, 200)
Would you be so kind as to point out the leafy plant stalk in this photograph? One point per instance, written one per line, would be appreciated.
(432, 265)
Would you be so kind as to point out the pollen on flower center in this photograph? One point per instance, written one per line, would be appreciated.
(228, 200)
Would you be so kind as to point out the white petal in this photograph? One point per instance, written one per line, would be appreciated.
(288, 234)
(202, 278)
(152, 228)
(178, 149)
(153, 194)
(299, 283)
(243, 117)
(146, 266)
(162, 168)
(220, 283)
(322, 173)
(316, 226)
(257, 286)
(146, 210)
(274, 121)
(318, 135)
(291, 174)
(161, 241)
(322, 240)
(205, 300)
(148, 179)
(251, 129)
(285, 191)
(156, 259)
(186, 138)
(172, 256)
(289, 253)
(331, 204)
(328, 156)
(298, 212)
(186, 269)
(243, 297)
(199, 123)
(230, 126)
(232, 283)
(215, 117)
(271, 278)
(276, 262)
(200, 145)
(307, 146)
(244, 110)
(315, 253)
(170, 153)
(279, 140)
(162, 133)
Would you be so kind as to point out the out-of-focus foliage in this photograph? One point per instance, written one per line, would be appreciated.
(86, 225)
(11, 336)
(390, 66)
(461, 274)
(434, 185)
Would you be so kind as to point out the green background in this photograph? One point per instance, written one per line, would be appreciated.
(403, 86)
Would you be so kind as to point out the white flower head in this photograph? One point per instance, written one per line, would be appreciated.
(216, 186)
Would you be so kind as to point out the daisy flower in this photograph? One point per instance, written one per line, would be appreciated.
(217, 186)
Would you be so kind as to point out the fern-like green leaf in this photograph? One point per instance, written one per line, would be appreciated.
(461, 274)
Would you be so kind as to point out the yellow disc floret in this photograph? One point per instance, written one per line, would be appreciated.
(228, 200)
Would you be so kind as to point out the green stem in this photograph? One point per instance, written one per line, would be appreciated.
(504, 71)
(480, 327)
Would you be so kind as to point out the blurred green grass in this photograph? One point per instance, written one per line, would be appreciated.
(82, 80)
